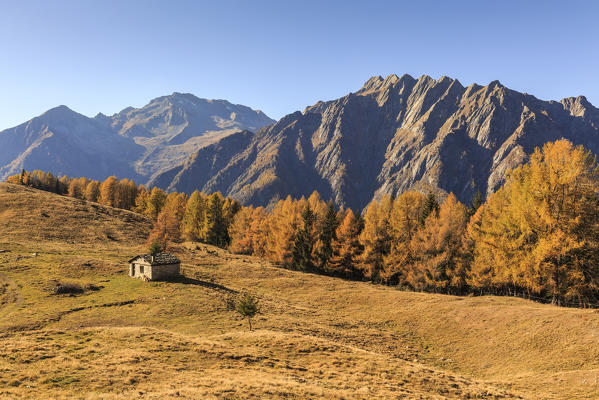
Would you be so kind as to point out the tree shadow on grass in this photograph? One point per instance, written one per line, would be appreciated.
(192, 281)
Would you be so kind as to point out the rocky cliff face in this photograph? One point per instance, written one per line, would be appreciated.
(135, 143)
(393, 134)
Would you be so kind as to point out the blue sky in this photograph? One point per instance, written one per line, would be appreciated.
(280, 56)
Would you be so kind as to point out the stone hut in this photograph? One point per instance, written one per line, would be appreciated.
(154, 267)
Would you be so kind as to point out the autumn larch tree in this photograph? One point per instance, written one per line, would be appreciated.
(540, 231)
(193, 218)
(283, 224)
(167, 226)
(108, 191)
(155, 202)
(92, 191)
(141, 200)
(240, 232)
(346, 248)
(230, 208)
(404, 222)
(375, 237)
(435, 250)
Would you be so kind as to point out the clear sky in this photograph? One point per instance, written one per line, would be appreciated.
(280, 56)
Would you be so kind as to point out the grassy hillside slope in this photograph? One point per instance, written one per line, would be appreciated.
(315, 337)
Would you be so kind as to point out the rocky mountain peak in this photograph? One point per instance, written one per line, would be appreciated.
(578, 106)
(378, 83)
(372, 84)
(393, 134)
(495, 84)
(390, 80)
(59, 111)
(445, 79)
(134, 143)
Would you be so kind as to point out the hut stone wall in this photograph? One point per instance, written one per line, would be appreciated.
(144, 270)
(166, 271)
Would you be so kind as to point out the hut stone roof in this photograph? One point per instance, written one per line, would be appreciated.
(157, 259)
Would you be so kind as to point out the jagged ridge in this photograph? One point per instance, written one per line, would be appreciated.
(393, 134)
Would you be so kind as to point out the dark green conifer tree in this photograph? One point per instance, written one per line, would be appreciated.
(477, 201)
(431, 205)
(215, 229)
(327, 235)
(304, 243)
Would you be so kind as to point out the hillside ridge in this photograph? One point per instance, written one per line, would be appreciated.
(28, 214)
(316, 336)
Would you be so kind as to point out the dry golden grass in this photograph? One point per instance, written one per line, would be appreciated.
(317, 337)
(32, 215)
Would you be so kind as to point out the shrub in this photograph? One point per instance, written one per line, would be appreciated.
(68, 288)
(155, 248)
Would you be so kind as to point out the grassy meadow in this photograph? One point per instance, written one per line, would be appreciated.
(316, 336)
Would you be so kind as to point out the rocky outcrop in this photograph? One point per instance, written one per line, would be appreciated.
(393, 134)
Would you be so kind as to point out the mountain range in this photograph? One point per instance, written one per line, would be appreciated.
(393, 134)
(134, 143)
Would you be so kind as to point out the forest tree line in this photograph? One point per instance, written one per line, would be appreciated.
(536, 237)
(176, 216)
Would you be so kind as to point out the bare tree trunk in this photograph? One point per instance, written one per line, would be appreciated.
(555, 299)
(250, 322)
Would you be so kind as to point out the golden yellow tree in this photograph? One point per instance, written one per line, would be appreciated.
(284, 223)
(472, 279)
(155, 202)
(317, 205)
(141, 200)
(77, 188)
(108, 191)
(92, 191)
(540, 230)
(404, 222)
(346, 247)
(167, 227)
(125, 194)
(376, 237)
(259, 229)
(230, 208)
(240, 232)
(63, 183)
(249, 231)
(435, 250)
(193, 218)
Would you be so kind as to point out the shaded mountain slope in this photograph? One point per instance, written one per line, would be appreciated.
(66, 143)
(392, 135)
